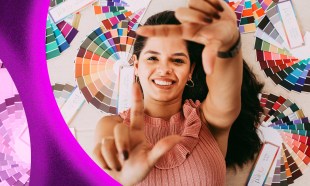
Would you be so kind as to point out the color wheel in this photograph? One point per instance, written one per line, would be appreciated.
(14, 136)
(102, 54)
(284, 124)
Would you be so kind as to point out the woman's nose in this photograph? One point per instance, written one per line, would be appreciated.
(164, 68)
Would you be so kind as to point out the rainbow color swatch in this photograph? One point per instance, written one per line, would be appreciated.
(58, 36)
(104, 51)
(249, 12)
(284, 124)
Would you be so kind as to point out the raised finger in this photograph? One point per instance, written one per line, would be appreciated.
(121, 134)
(99, 158)
(137, 109)
(160, 31)
(185, 15)
(109, 152)
(205, 7)
(209, 55)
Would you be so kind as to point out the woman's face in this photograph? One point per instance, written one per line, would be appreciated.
(163, 68)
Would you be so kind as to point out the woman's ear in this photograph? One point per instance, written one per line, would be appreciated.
(135, 63)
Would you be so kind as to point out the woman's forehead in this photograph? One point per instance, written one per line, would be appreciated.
(165, 44)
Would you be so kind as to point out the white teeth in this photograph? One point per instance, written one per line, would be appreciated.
(165, 83)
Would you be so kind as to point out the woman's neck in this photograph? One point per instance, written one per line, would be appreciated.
(160, 109)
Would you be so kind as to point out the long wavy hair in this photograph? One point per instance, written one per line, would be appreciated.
(243, 141)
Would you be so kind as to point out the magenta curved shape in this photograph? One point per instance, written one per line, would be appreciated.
(56, 157)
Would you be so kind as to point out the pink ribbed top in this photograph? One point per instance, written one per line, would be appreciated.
(196, 160)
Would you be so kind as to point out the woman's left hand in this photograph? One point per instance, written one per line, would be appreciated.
(208, 22)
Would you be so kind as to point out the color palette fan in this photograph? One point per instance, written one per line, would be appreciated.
(97, 65)
(284, 124)
(69, 100)
(284, 59)
(14, 136)
(249, 12)
(105, 50)
(58, 36)
(287, 68)
(110, 12)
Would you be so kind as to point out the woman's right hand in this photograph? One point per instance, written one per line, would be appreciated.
(126, 154)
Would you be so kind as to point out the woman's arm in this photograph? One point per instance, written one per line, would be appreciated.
(223, 102)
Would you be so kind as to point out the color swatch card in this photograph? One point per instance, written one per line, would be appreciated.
(287, 67)
(290, 23)
(15, 154)
(58, 37)
(66, 8)
(126, 79)
(285, 125)
(249, 12)
(111, 12)
(69, 100)
(105, 50)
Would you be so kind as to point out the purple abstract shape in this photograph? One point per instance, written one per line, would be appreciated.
(56, 157)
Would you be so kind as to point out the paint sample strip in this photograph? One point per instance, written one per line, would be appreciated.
(51, 46)
(266, 26)
(292, 29)
(68, 31)
(247, 19)
(60, 39)
(265, 46)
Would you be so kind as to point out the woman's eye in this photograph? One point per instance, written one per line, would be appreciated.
(178, 60)
(152, 59)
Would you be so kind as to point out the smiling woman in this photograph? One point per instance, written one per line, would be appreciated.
(190, 106)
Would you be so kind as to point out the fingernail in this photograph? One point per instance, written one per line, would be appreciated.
(219, 8)
(208, 20)
(125, 155)
(216, 16)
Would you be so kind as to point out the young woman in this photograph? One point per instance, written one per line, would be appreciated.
(195, 102)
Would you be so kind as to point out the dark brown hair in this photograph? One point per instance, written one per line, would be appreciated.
(243, 141)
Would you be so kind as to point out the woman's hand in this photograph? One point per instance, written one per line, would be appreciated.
(208, 22)
(127, 156)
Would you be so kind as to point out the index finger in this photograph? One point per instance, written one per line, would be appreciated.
(160, 31)
(137, 108)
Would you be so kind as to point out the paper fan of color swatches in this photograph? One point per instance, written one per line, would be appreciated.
(249, 12)
(284, 124)
(14, 135)
(286, 67)
(98, 62)
(69, 100)
(109, 13)
(58, 37)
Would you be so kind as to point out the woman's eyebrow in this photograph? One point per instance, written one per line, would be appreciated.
(151, 52)
(180, 54)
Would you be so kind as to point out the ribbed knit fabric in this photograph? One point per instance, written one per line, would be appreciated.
(196, 160)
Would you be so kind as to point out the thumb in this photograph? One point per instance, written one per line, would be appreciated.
(209, 55)
(162, 147)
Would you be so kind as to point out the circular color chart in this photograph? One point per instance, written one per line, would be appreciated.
(14, 135)
(284, 124)
(98, 61)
